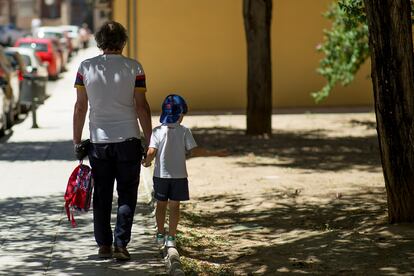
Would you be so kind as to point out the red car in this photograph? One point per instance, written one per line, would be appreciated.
(46, 51)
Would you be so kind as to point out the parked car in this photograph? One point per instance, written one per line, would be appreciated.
(73, 33)
(4, 109)
(63, 53)
(9, 34)
(59, 38)
(32, 75)
(46, 52)
(10, 81)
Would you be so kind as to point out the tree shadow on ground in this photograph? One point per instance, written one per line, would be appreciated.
(312, 149)
(348, 236)
(36, 238)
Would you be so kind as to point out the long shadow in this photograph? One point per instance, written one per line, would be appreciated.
(36, 151)
(36, 238)
(312, 149)
(347, 236)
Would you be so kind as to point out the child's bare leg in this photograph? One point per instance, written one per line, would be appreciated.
(174, 208)
(160, 215)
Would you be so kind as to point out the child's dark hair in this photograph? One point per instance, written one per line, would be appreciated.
(111, 36)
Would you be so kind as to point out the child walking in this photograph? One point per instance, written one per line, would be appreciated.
(169, 144)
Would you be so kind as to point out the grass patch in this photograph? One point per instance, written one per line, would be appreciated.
(200, 268)
(199, 248)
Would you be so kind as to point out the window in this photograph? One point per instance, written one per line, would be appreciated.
(39, 47)
(51, 9)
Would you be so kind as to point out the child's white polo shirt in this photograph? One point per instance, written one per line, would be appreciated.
(171, 141)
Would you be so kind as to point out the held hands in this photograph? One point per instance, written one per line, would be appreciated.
(149, 157)
(145, 162)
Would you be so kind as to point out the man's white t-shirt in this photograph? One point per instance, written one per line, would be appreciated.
(110, 82)
(171, 141)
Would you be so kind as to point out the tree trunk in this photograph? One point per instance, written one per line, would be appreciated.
(257, 18)
(392, 59)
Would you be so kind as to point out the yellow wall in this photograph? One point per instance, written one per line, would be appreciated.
(198, 49)
(296, 31)
(120, 8)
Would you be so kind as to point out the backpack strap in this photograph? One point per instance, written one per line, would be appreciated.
(73, 221)
(67, 209)
(69, 213)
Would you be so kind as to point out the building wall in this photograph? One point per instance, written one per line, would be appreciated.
(198, 49)
(4, 12)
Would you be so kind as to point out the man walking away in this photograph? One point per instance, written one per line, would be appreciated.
(115, 88)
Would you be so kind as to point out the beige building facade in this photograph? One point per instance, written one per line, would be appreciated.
(198, 49)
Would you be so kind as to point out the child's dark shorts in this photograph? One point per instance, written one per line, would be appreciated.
(171, 189)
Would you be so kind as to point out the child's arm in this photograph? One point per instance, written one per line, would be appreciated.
(151, 153)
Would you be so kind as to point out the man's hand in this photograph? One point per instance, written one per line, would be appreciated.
(81, 149)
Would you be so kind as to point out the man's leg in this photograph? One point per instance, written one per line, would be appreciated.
(103, 175)
(128, 166)
(127, 187)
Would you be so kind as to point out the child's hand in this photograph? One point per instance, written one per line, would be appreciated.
(145, 163)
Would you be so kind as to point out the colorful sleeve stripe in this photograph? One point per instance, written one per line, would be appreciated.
(140, 81)
(140, 89)
(79, 80)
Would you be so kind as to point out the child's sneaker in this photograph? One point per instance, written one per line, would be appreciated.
(170, 241)
(160, 239)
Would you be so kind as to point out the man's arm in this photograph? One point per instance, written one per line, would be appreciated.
(79, 114)
(144, 114)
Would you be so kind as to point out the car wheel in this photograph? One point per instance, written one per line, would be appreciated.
(17, 112)
(4, 125)
(10, 118)
(24, 108)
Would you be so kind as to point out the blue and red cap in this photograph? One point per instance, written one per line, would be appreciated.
(172, 108)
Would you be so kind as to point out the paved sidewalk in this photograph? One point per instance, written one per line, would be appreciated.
(35, 236)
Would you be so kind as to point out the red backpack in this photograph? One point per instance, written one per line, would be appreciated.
(78, 191)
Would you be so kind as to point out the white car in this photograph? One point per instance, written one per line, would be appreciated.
(73, 32)
(35, 76)
(56, 33)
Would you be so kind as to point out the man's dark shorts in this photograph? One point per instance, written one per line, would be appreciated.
(171, 189)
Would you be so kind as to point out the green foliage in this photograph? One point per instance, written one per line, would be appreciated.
(345, 45)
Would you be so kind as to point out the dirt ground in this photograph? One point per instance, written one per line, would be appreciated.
(308, 200)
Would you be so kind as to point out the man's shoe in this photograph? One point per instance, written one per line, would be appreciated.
(160, 239)
(121, 254)
(105, 251)
(170, 241)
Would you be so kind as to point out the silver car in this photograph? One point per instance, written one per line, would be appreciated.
(73, 32)
(35, 76)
